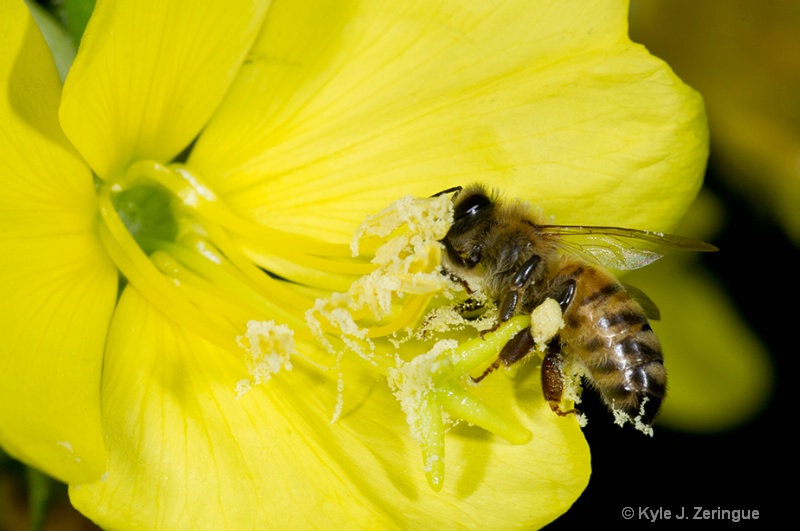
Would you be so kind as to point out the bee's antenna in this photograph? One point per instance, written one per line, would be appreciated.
(455, 189)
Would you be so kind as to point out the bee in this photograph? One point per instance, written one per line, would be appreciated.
(519, 262)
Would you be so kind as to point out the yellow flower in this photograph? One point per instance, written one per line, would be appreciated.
(250, 136)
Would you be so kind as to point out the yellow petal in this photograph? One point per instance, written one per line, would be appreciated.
(149, 74)
(57, 288)
(184, 452)
(343, 107)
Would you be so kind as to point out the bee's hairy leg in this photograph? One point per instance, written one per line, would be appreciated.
(553, 379)
(470, 308)
(517, 348)
(563, 293)
(512, 300)
(458, 280)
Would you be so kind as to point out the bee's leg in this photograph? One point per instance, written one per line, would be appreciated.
(517, 348)
(467, 262)
(470, 309)
(458, 280)
(553, 379)
(563, 293)
(511, 301)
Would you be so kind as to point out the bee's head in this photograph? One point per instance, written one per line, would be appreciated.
(470, 205)
(472, 216)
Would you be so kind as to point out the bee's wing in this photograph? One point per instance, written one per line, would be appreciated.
(619, 248)
(651, 311)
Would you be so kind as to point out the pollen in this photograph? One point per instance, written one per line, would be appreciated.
(268, 347)
(574, 372)
(546, 321)
(428, 219)
(403, 240)
(620, 418)
(413, 382)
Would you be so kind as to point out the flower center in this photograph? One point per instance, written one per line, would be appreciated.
(210, 269)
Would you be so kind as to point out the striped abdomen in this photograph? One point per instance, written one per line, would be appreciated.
(608, 332)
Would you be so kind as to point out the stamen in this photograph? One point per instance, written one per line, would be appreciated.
(202, 270)
(141, 273)
(410, 315)
(201, 293)
(226, 280)
(265, 284)
(198, 196)
(299, 273)
(269, 347)
(462, 405)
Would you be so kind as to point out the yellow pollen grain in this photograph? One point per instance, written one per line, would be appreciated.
(268, 347)
(413, 382)
(404, 239)
(620, 418)
(546, 321)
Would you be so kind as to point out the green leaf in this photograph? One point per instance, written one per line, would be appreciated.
(72, 14)
(60, 42)
(40, 492)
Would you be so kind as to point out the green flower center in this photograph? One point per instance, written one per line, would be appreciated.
(145, 211)
(206, 266)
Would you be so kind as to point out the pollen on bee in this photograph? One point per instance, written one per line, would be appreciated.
(620, 418)
(269, 347)
(546, 321)
(573, 373)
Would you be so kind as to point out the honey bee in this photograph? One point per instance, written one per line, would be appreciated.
(518, 261)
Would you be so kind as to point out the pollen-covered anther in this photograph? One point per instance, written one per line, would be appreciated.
(269, 347)
(430, 218)
(404, 239)
(431, 386)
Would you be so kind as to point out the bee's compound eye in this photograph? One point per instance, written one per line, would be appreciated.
(471, 206)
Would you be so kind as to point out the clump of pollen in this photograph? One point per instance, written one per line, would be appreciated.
(402, 320)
